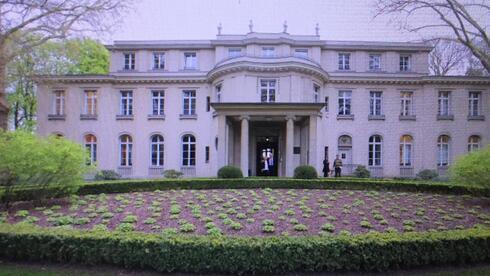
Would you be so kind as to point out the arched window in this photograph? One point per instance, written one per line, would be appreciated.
(156, 150)
(126, 150)
(374, 150)
(443, 150)
(473, 143)
(188, 150)
(406, 148)
(91, 146)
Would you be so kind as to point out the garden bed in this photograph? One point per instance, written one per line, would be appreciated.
(259, 212)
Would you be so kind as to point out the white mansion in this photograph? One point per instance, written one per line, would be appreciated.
(197, 105)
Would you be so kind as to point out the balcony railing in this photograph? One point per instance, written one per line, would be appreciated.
(188, 171)
(376, 172)
(442, 170)
(155, 171)
(407, 172)
(125, 172)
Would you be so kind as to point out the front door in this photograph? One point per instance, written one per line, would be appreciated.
(267, 153)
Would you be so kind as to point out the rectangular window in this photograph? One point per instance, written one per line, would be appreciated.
(129, 61)
(126, 104)
(90, 102)
(157, 102)
(444, 103)
(234, 52)
(268, 51)
(375, 103)
(374, 62)
(405, 63)
(345, 102)
(189, 102)
(207, 154)
(443, 154)
(268, 91)
(316, 92)
(190, 61)
(59, 102)
(158, 61)
(474, 103)
(406, 103)
(301, 53)
(344, 61)
(208, 104)
(218, 93)
(326, 104)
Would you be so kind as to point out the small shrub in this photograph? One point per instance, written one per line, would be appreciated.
(22, 213)
(64, 220)
(230, 172)
(172, 174)
(268, 222)
(215, 232)
(300, 228)
(268, 229)
(125, 227)
(472, 169)
(427, 174)
(130, 219)
(305, 172)
(169, 232)
(187, 228)
(81, 221)
(361, 172)
(107, 175)
(150, 221)
(328, 227)
(236, 226)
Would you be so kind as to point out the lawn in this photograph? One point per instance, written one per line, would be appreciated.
(258, 212)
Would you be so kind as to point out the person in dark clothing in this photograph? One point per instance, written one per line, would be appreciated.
(326, 168)
(337, 164)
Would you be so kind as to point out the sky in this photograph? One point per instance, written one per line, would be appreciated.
(198, 19)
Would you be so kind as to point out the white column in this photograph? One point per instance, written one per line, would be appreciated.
(244, 143)
(221, 141)
(289, 146)
(312, 154)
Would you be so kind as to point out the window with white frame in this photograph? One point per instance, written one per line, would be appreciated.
(344, 61)
(91, 147)
(268, 52)
(129, 61)
(125, 150)
(405, 63)
(316, 92)
(474, 143)
(234, 52)
(301, 53)
(158, 102)
(406, 98)
(188, 150)
(218, 92)
(268, 88)
(474, 103)
(345, 102)
(443, 150)
(156, 148)
(375, 103)
(406, 151)
(374, 62)
(189, 102)
(90, 102)
(375, 151)
(59, 102)
(444, 103)
(190, 60)
(126, 103)
(159, 61)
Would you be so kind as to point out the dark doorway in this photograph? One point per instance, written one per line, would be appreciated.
(267, 151)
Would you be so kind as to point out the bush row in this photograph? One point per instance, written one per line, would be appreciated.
(124, 186)
(368, 252)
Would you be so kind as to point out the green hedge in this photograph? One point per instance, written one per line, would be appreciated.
(123, 186)
(368, 252)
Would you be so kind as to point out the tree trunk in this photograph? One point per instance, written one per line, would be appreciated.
(3, 85)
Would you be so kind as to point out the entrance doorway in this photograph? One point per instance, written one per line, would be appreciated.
(267, 153)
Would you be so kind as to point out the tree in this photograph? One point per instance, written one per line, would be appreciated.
(457, 20)
(472, 169)
(447, 57)
(52, 165)
(25, 25)
(74, 56)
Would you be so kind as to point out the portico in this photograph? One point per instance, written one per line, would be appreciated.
(285, 132)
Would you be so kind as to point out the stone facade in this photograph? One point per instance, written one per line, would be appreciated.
(234, 99)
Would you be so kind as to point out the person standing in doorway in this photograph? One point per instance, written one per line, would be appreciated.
(326, 168)
(337, 164)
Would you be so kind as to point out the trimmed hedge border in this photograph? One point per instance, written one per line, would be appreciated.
(124, 186)
(198, 254)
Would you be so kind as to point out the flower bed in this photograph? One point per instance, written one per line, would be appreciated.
(259, 212)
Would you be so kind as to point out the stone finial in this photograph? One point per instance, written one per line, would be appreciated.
(285, 26)
(219, 28)
(251, 26)
(317, 29)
